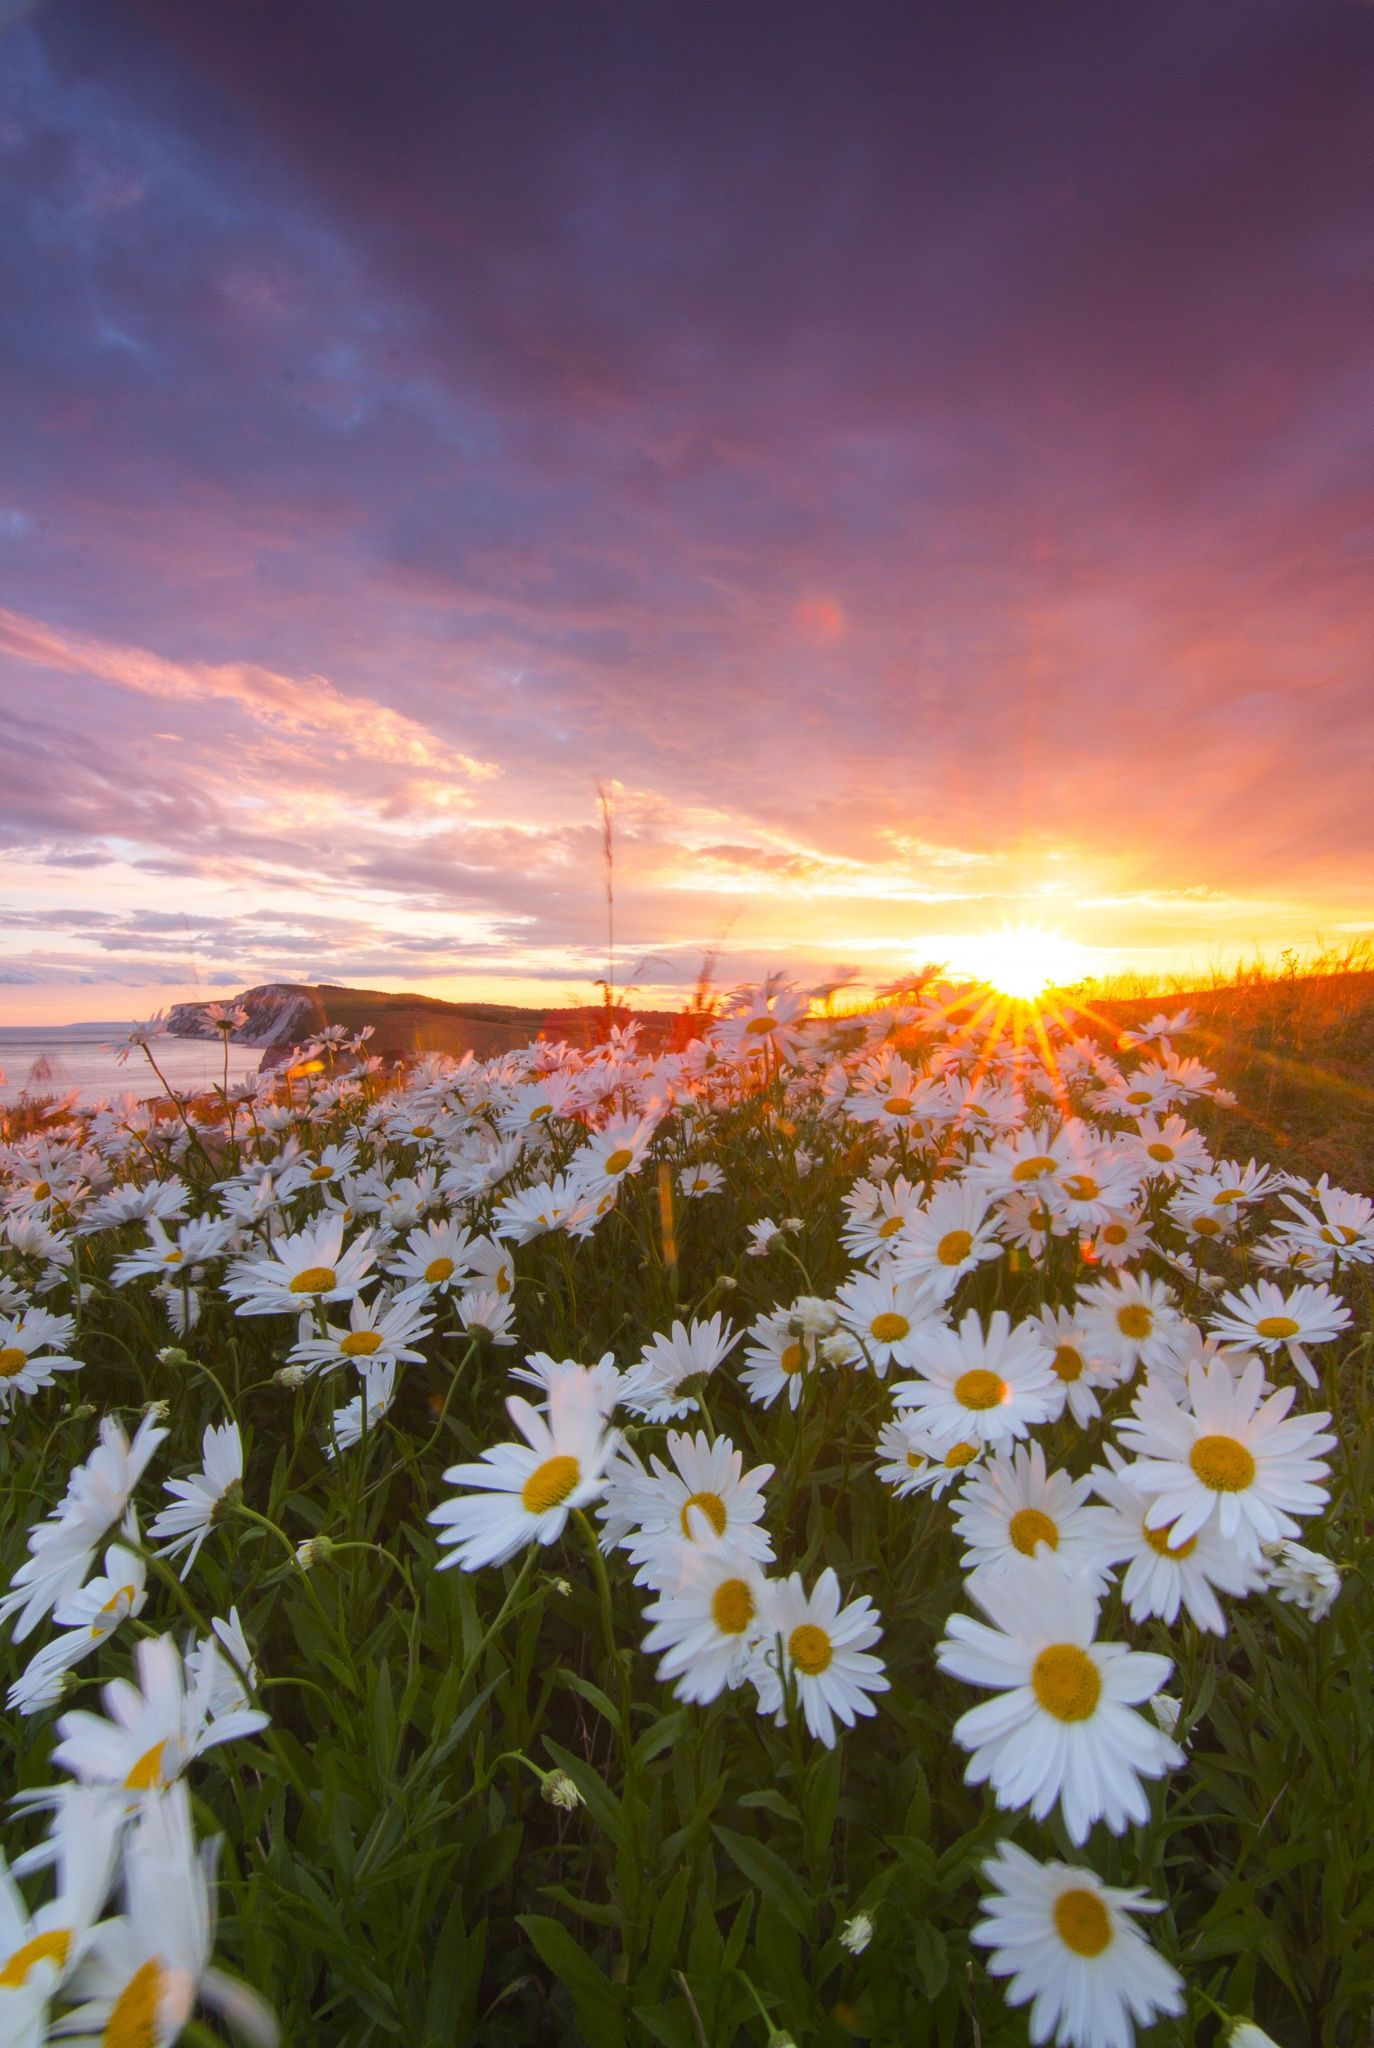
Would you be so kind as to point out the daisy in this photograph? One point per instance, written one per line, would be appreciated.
(436, 1258)
(560, 1204)
(366, 1409)
(1062, 1728)
(1261, 1318)
(1071, 1362)
(980, 1387)
(887, 1316)
(1164, 1576)
(611, 1154)
(1122, 1237)
(308, 1267)
(383, 1331)
(1303, 1577)
(39, 1951)
(1072, 1952)
(1130, 1321)
(704, 1178)
(1166, 1150)
(705, 1494)
(87, 1619)
(152, 1730)
(203, 1496)
(1228, 1456)
(146, 1969)
(1345, 1226)
(911, 1460)
(62, 1548)
(708, 1620)
(662, 1386)
(1011, 1506)
(822, 1650)
(947, 1236)
(603, 1379)
(30, 1352)
(483, 1312)
(777, 1357)
(527, 1491)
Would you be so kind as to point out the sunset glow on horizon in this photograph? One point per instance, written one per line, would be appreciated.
(948, 540)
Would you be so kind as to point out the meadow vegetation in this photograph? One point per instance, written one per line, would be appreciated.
(854, 1528)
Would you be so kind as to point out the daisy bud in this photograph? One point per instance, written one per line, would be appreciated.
(1245, 2034)
(856, 1933)
(315, 1550)
(794, 1224)
(839, 1349)
(727, 1281)
(559, 1790)
(172, 1354)
(159, 1410)
(292, 1376)
(813, 1317)
(1166, 1711)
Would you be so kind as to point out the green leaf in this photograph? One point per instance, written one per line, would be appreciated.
(595, 1999)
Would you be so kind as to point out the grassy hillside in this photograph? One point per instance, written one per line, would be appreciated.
(1298, 1051)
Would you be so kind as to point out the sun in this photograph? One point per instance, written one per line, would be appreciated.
(1023, 960)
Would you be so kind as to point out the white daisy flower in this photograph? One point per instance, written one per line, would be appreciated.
(436, 1258)
(1228, 1456)
(662, 1386)
(947, 1236)
(1164, 1576)
(1303, 1577)
(28, 1353)
(150, 1731)
(1062, 1729)
(911, 1460)
(1261, 1317)
(982, 1387)
(370, 1405)
(703, 1178)
(708, 1619)
(776, 1359)
(1071, 1362)
(1012, 1506)
(603, 1379)
(87, 1619)
(1072, 1952)
(305, 1268)
(202, 1497)
(39, 1951)
(886, 1315)
(525, 1492)
(705, 1492)
(1130, 1321)
(62, 1548)
(383, 1331)
(821, 1649)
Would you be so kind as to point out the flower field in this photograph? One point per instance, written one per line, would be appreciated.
(854, 1529)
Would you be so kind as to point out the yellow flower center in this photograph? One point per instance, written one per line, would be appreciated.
(954, 1247)
(1222, 1463)
(1338, 1233)
(1068, 1364)
(1032, 1169)
(1224, 1195)
(791, 1358)
(889, 1327)
(503, 1280)
(732, 1607)
(1140, 1095)
(1028, 1527)
(1276, 1326)
(1115, 1233)
(537, 1115)
(422, 1130)
(809, 1648)
(360, 1343)
(1207, 1226)
(549, 1485)
(44, 1948)
(711, 1505)
(172, 1258)
(1081, 1187)
(980, 1389)
(314, 1280)
(12, 1361)
(892, 1226)
(1066, 1682)
(959, 1456)
(1160, 1151)
(916, 1460)
(1134, 1320)
(899, 1105)
(41, 1190)
(437, 1270)
(321, 1173)
(133, 2021)
(114, 1605)
(1158, 1540)
(619, 1159)
(759, 1027)
(1082, 1922)
(147, 1772)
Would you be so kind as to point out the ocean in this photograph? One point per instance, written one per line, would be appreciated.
(81, 1057)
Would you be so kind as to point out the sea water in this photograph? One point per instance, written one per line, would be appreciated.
(81, 1059)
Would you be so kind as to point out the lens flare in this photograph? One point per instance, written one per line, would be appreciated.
(1023, 960)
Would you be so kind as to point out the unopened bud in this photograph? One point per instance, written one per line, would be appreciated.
(559, 1790)
(292, 1376)
(172, 1354)
(856, 1933)
(315, 1550)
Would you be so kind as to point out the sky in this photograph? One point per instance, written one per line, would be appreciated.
(917, 460)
